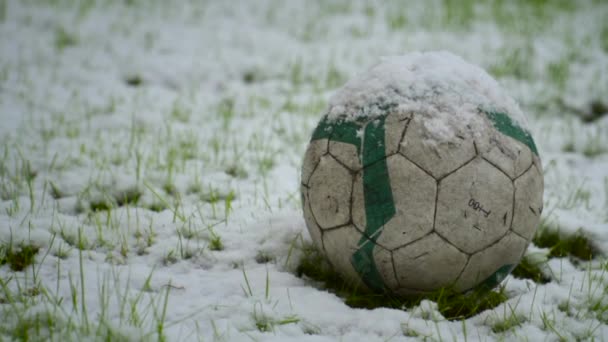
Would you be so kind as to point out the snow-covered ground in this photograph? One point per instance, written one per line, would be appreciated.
(151, 151)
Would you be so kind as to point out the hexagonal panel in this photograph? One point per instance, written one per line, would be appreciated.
(474, 206)
(339, 245)
(384, 263)
(329, 192)
(428, 264)
(346, 154)
(498, 258)
(436, 157)
(311, 222)
(528, 203)
(508, 154)
(394, 126)
(414, 200)
(314, 151)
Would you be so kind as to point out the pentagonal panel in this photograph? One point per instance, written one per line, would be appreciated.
(358, 199)
(434, 156)
(528, 203)
(340, 244)
(414, 200)
(311, 223)
(346, 154)
(395, 125)
(315, 150)
(474, 206)
(506, 153)
(428, 264)
(491, 265)
(384, 263)
(329, 193)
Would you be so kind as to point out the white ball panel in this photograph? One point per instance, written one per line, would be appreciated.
(528, 203)
(414, 198)
(313, 154)
(329, 193)
(339, 245)
(474, 206)
(384, 263)
(346, 154)
(436, 157)
(509, 155)
(482, 265)
(396, 124)
(428, 264)
(311, 223)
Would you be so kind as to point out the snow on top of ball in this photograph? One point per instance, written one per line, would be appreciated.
(443, 87)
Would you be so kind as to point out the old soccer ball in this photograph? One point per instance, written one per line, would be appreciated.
(422, 175)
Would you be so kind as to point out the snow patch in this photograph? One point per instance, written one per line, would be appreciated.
(448, 91)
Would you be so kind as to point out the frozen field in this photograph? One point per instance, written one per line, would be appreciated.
(150, 155)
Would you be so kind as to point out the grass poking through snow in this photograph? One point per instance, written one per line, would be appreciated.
(18, 257)
(529, 269)
(575, 246)
(452, 305)
(134, 150)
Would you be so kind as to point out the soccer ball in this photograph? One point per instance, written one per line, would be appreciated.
(422, 175)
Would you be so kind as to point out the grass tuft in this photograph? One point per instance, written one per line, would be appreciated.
(156, 207)
(576, 245)
(34, 325)
(252, 76)
(107, 202)
(456, 306)
(264, 257)
(215, 243)
(101, 205)
(64, 39)
(597, 109)
(266, 323)
(236, 171)
(134, 80)
(56, 193)
(170, 189)
(510, 321)
(527, 269)
(19, 257)
(129, 196)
